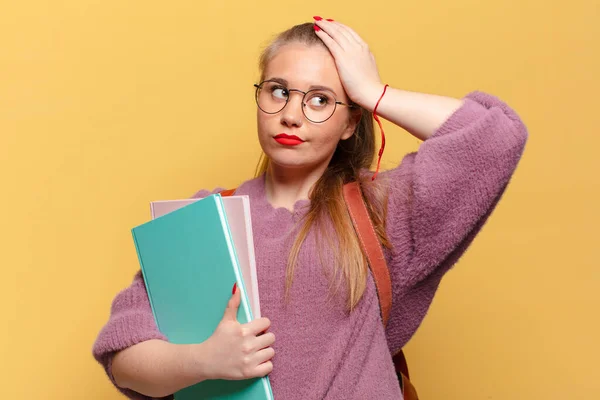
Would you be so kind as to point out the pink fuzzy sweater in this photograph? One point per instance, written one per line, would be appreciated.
(440, 197)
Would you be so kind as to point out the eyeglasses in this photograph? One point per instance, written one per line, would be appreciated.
(318, 105)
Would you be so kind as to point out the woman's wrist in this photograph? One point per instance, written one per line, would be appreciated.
(370, 95)
(198, 363)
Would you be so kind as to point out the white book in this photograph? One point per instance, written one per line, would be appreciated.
(237, 209)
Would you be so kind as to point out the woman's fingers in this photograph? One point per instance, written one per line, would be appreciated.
(257, 326)
(264, 341)
(264, 369)
(264, 355)
(331, 44)
(343, 38)
(339, 32)
(352, 33)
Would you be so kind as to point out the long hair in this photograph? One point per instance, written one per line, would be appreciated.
(351, 158)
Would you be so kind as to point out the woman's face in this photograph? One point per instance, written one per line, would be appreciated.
(298, 66)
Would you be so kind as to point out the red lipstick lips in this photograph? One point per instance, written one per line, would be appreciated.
(288, 140)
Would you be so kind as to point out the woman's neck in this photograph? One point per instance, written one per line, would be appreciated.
(285, 186)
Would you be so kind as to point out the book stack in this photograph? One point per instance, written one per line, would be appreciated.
(191, 253)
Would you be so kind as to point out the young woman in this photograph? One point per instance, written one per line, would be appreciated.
(319, 86)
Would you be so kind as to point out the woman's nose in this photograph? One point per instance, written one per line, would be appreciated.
(292, 114)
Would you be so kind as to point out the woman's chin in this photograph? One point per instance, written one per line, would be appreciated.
(288, 164)
(289, 161)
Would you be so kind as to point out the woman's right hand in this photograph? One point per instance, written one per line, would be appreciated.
(239, 351)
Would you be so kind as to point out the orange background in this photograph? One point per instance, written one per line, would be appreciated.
(105, 106)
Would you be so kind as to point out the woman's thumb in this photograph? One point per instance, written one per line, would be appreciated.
(233, 304)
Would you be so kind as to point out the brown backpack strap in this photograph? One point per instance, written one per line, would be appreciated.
(371, 247)
(381, 274)
(400, 364)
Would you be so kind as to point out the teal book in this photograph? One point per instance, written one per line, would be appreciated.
(189, 264)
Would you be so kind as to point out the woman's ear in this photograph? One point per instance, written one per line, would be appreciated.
(353, 122)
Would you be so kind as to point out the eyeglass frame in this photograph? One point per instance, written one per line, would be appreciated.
(336, 102)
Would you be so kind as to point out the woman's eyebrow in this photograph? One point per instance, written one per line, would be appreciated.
(285, 83)
(278, 80)
(320, 87)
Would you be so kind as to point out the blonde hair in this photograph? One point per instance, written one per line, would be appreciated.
(327, 202)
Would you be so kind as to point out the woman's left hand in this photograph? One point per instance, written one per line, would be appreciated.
(355, 63)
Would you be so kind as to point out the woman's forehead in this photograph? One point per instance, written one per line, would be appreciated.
(302, 66)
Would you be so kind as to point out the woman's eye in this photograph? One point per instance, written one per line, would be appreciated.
(318, 101)
(280, 93)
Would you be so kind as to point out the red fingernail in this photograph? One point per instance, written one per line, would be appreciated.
(330, 20)
(317, 18)
(234, 287)
(317, 29)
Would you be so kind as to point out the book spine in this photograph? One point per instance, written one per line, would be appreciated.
(251, 254)
(245, 305)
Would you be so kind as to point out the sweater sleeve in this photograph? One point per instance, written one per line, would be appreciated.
(440, 197)
(131, 322)
(443, 194)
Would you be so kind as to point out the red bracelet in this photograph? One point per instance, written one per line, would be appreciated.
(382, 133)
